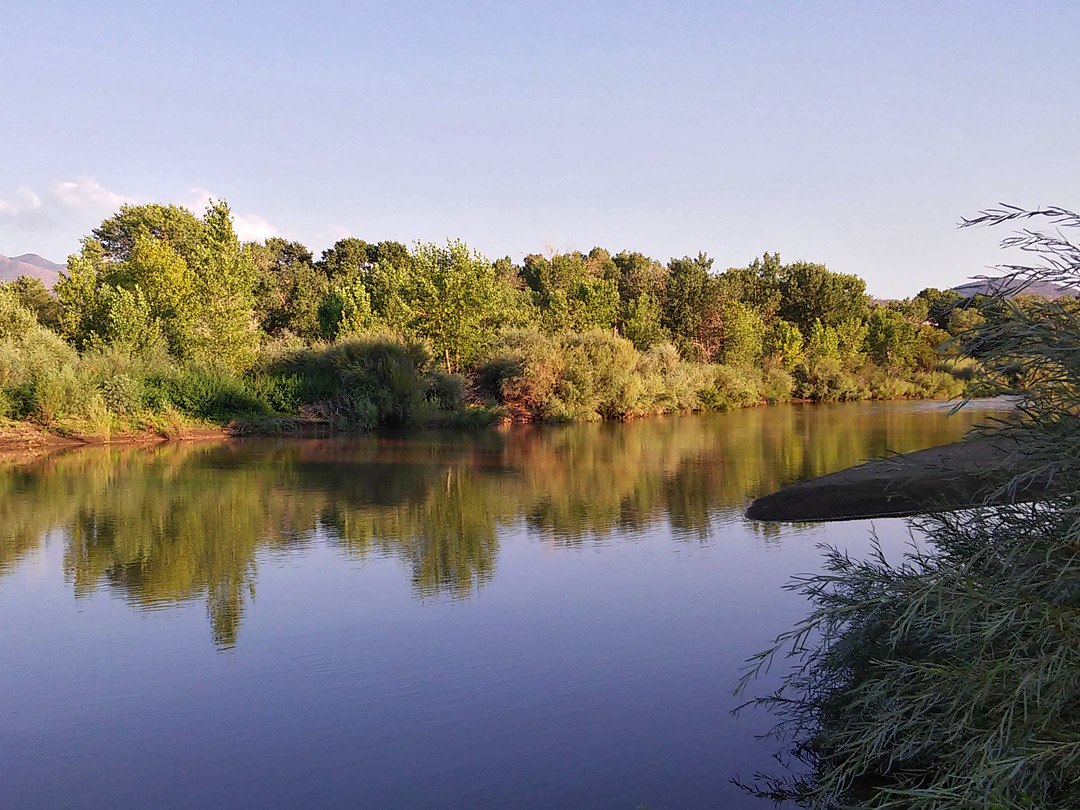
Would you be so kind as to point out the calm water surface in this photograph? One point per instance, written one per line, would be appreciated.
(547, 618)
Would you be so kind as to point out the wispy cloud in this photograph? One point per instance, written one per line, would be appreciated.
(61, 205)
(88, 194)
(67, 210)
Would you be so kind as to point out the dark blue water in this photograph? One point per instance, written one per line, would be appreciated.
(540, 619)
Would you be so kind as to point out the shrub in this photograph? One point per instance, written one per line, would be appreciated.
(735, 387)
(203, 393)
(58, 393)
(670, 384)
(379, 377)
(778, 385)
(823, 379)
(123, 394)
(446, 391)
(280, 393)
(589, 376)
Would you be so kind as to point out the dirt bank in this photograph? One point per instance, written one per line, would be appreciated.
(20, 437)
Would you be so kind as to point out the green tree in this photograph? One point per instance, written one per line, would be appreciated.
(851, 339)
(784, 341)
(757, 285)
(641, 322)
(916, 310)
(810, 292)
(742, 335)
(351, 256)
(637, 274)
(346, 309)
(288, 288)
(172, 224)
(35, 296)
(191, 274)
(688, 282)
(823, 342)
(452, 301)
(892, 340)
(572, 292)
(939, 305)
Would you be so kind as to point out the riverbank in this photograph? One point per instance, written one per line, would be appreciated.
(19, 436)
(28, 435)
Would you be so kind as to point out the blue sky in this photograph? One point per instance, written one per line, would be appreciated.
(853, 134)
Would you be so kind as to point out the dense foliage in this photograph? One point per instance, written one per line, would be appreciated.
(952, 680)
(164, 316)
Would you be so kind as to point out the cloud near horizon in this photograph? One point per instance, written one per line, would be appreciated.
(68, 210)
(61, 206)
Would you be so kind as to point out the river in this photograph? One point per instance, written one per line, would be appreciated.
(549, 617)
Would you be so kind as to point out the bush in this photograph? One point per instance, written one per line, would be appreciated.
(123, 394)
(64, 393)
(589, 376)
(671, 385)
(446, 391)
(280, 393)
(823, 379)
(379, 377)
(733, 388)
(778, 385)
(203, 393)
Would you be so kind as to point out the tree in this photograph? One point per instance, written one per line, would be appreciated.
(345, 309)
(35, 296)
(684, 299)
(810, 292)
(351, 256)
(916, 309)
(851, 339)
(288, 288)
(641, 322)
(637, 274)
(891, 340)
(572, 292)
(452, 301)
(939, 305)
(189, 277)
(823, 341)
(742, 335)
(172, 224)
(757, 285)
(784, 341)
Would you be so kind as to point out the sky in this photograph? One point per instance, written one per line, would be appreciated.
(854, 134)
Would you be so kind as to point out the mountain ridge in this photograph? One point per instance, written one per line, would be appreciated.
(30, 264)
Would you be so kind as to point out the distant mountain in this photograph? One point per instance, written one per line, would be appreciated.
(1011, 287)
(30, 264)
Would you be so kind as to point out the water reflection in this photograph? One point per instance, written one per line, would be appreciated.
(168, 524)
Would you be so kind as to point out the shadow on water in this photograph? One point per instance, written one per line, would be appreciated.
(163, 525)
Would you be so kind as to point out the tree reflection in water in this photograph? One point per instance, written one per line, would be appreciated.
(178, 522)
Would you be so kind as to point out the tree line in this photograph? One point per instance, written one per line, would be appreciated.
(264, 323)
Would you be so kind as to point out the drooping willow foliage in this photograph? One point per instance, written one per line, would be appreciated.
(952, 680)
